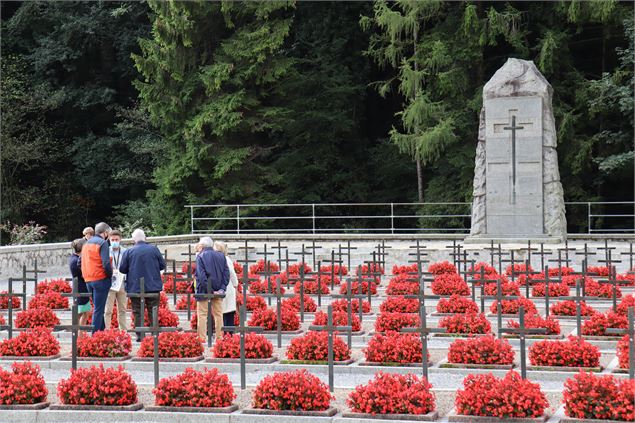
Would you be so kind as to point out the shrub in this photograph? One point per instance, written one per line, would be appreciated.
(571, 280)
(448, 284)
(555, 290)
(561, 271)
(254, 302)
(594, 288)
(405, 269)
(393, 394)
(24, 384)
(294, 303)
(372, 268)
(587, 396)
(98, 386)
(481, 350)
(192, 388)
(36, 317)
(182, 287)
(457, 304)
(259, 267)
(256, 346)
(399, 305)
(512, 306)
(33, 342)
(181, 303)
(508, 397)
(340, 318)
(507, 288)
(54, 285)
(106, 343)
(166, 318)
(262, 286)
(465, 323)
(598, 270)
(51, 299)
(192, 267)
(442, 267)
(598, 323)
(627, 302)
(4, 301)
(518, 269)
(394, 347)
(302, 391)
(358, 288)
(622, 352)
(311, 286)
(172, 345)
(313, 346)
(396, 321)
(487, 269)
(342, 305)
(569, 308)
(268, 319)
(295, 268)
(573, 352)
(401, 288)
(336, 270)
(535, 321)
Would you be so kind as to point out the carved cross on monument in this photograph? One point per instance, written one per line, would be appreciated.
(513, 128)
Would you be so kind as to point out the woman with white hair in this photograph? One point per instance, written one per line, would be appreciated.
(229, 302)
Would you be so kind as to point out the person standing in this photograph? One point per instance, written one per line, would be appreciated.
(97, 271)
(211, 266)
(117, 290)
(142, 261)
(74, 262)
(229, 302)
(88, 233)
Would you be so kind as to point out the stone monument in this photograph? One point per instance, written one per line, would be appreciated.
(517, 190)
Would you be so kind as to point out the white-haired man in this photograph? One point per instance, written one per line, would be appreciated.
(142, 261)
(211, 268)
(97, 271)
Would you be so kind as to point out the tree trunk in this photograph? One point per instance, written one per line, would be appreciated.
(420, 181)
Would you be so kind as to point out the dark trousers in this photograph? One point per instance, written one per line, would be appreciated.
(228, 320)
(150, 303)
(99, 289)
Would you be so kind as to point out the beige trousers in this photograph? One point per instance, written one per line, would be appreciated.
(120, 297)
(217, 314)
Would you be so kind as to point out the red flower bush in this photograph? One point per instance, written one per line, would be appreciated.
(172, 345)
(509, 397)
(569, 307)
(295, 268)
(394, 347)
(481, 350)
(182, 287)
(573, 352)
(166, 318)
(340, 318)
(534, 321)
(555, 290)
(465, 323)
(181, 303)
(336, 269)
(372, 268)
(33, 342)
(54, 285)
(98, 386)
(627, 302)
(405, 269)
(106, 343)
(204, 388)
(457, 304)
(36, 317)
(259, 267)
(294, 303)
(512, 306)
(24, 384)
(358, 288)
(4, 302)
(396, 321)
(191, 267)
(311, 286)
(396, 287)
(449, 284)
(598, 270)
(622, 352)
(507, 288)
(302, 391)
(487, 269)
(254, 302)
(262, 286)
(313, 346)
(518, 269)
(268, 319)
(393, 394)
(51, 299)
(256, 346)
(587, 396)
(598, 323)
(2, 321)
(560, 271)
(571, 280)
(399, 305)
(342, 305)
(594, 288)
(441, 268)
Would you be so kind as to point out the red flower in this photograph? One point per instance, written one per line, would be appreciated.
(594, 288)
(340, 318)
(298, 390)
(262, 286)
(598, 323)
(555, 290)
(181, 303)
(254, 302)
(622, 352)
(507, 288)
(394, 347)
(627, 302)
(456, 304)
(54, 285)
(172, 345)
(400, 287)
(256, 346)
(396, 321)
(166, 318)
(204, 388)
(487, 269)
(294, 269)
(294, 303)
(98, 386)
(399, 305)
(259, 267)
(598, 270)
(512, 306)
(569, 308)
(36, 317)
(268, 319)
(405, 269)
(4, 302)
(23, 385)
(313, 346)
(573, 352)
(393, 394)
(311, 286)
(50, 299)
(449, 284)
(518, 269)
(466, 323)
(106, 343)
(358, 288)
(534, 321)
(481, 350)
(442, 267)
(587, 396)
(38, 341)
(342, 305)
(182, 287)
(336, 269)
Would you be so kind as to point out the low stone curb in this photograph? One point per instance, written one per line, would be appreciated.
(171, 359)
(574, 420)
(392, 364)
(446, 365)
(430, 417)
(601, 338)
(269, 360)
(620, 370)
(329, 412)
(36, 406)
(459, 335)
(170, 409)
(453, 417)
(318, 362)
(29, 357)
(70, 407)
(283, 332)
(510, 336)
(122, 358)
(569, 318)
(565, 369)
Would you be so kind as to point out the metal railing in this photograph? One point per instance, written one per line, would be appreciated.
(440, 217)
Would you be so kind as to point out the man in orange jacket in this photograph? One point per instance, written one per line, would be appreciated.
(97, 271)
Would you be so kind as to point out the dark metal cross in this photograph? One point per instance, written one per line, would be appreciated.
(419, 255)
(611, 279)
(332, 262)
(513, 128)
(349, 296)
(9, 296)
(423, 330)
(512, 261)
(543, 253)
(281, 248)
(529, 251)
(300, 281)
(209, 296)
(578, 298)
(189, 278)
(267, 274)
(348, 250)
(630, 255)
(631, 341)
(36, 272)
(331, 330)
(522, 333)
(479, 280)
(24, 279)
(499, 297)
(566, 250)
(242, 330)
(313, 248)
(607, 252)
(75, 327)
(142, 295)
(279, 296)
(585, 252)
(546, 280)
(456, 251)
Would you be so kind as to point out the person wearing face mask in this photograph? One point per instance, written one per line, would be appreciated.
(117, 290)
(97, 271)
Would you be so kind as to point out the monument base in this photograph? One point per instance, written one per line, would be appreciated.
(487, 240)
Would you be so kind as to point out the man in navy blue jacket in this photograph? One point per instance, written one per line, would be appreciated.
(142, 261)
(211, 266)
